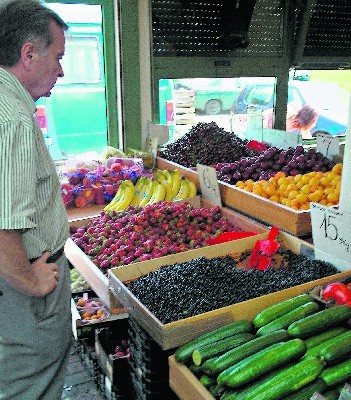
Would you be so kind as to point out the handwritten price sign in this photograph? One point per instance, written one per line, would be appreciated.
(331, 231)
(209, 184)
(328, 145)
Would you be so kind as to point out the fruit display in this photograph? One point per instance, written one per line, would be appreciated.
(181, 290)
(84, 186)
(305, 357)
(206, 144)
(297, 192)
(291, 162)
(78, 283)
(91, 310)
(163, 185)
(116, 238)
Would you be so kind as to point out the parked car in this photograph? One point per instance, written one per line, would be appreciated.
(212, 96)
(329, 100)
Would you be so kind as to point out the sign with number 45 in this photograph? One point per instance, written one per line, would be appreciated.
(331, 235)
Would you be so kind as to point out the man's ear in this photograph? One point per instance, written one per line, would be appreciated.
(28, 54)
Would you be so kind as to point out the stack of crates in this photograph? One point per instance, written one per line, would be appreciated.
(115, 381)
(149, 368)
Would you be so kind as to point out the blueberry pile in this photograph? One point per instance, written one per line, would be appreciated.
(183, 290)
(207, 144)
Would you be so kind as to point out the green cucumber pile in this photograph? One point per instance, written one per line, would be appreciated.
(289, 351)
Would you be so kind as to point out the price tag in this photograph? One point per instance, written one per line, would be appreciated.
(281, 139)
(254, 125)
(331, 232)
(209, 184)
(328, 145)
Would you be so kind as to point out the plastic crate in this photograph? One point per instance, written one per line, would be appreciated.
(148, 363)
(116, 371)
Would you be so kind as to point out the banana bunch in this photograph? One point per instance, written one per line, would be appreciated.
(179, 188)
(123, 197)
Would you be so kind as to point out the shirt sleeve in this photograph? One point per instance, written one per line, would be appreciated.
(17, 175)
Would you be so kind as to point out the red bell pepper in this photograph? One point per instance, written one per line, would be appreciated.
(338, 292)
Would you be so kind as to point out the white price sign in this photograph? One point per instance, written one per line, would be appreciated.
(209, 184)
(254, 125)
(328, 145)
(331, 232)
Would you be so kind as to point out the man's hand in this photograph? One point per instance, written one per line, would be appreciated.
(36, 279)
(46, 274)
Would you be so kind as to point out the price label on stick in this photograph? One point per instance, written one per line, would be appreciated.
(328, 145)
(331, 232)
(209, 184)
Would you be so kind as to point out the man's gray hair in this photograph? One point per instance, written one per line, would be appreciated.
(23, 21)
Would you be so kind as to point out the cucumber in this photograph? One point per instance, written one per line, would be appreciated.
(214, 366)
(322, 337)
(284, 321)
(215, 349)
(207, 381)
(307, 391)
(331, 394)
(278, 310)
(196, 370)
(288, 380)
(338, 350)
(241, 392)
(317, 350)
(184, 353)
(216, 390)
(258, 364)
(338, 373)
(320, 321)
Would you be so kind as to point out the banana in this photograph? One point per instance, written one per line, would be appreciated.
(183, 190)
(158, 193)
(139, 187)
(192, 188)
(168, 176)
(147, 192)
(160, 176)
(126, 198)
(176, 179)
(115, 199)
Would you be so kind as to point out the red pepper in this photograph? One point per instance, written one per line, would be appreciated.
(337, 291)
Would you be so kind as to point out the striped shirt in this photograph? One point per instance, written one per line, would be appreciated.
(30, 197)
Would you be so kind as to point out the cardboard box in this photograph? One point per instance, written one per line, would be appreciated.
(177, 333)
(100, 283)
(293, 221)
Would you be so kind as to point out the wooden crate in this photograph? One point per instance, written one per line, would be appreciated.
(99, 282)
(293, 221)
(177, 333)
(185, 384)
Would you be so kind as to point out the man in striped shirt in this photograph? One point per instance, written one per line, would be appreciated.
(35, 328)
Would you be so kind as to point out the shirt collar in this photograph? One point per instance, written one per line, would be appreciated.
(13, 85)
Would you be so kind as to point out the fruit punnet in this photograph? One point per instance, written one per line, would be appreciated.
(299, 191)
(206, 144)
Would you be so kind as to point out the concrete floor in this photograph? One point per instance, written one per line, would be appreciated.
(79, 384)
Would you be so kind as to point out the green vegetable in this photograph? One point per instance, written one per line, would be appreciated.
(338, 349)
(320, 321)
(215, 349)
(316, 351)
(287, 381)
(262, 362)
(196, 370)
(207, 381)
(278, 310)
(284, 321)
(216, 390)
(322, 337)
(331, 394)
(214, 366)
(307, 391)
(184, 353)
(338, 373)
